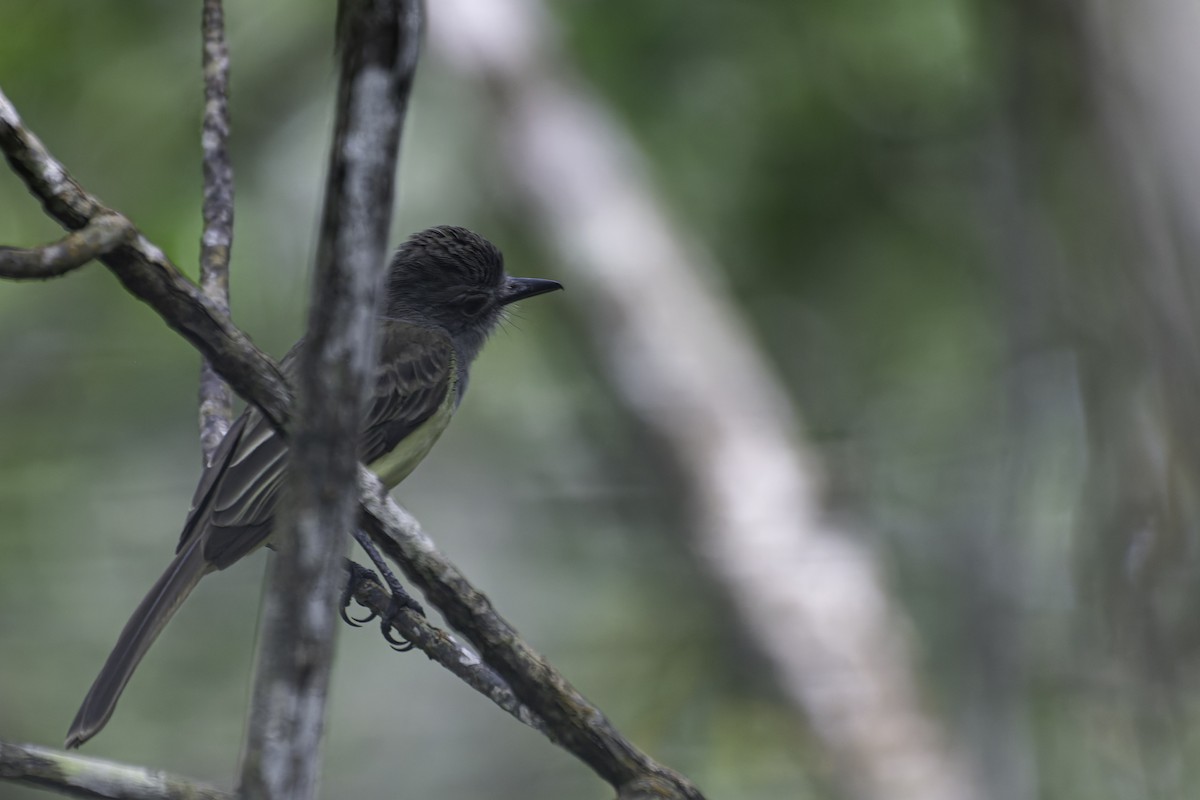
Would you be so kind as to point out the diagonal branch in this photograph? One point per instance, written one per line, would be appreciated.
(441, 647)
(216, 401)
(573, 722)
(148, 274)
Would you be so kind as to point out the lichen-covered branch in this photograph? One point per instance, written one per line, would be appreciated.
(216, 241)
(76, 776)
(99, 236)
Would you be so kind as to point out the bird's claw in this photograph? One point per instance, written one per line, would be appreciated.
(400, 645)
(358, 575)
(400, 600)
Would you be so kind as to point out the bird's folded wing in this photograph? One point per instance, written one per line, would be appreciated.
(234, 505)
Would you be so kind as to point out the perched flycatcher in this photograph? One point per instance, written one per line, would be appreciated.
(446, 291)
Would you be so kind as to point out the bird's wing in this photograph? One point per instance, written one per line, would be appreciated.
(411, 383)
(234, 505)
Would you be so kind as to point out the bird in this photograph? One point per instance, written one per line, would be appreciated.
(446, 290)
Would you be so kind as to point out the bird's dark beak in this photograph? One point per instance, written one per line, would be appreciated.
(515, 289)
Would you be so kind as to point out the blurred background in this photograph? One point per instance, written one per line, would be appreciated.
(923, 268)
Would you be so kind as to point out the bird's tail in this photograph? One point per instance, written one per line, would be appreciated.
(151, 616)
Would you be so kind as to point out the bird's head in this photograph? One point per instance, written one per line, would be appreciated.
(452, 279)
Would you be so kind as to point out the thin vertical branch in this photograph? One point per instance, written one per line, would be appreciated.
(378, 41)
(216, 400)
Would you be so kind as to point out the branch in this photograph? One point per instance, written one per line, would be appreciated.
(216, 401)
(572, 722)
(148, 274)
(441, 647)
(378, 41)
(76, 776)
(99, 236)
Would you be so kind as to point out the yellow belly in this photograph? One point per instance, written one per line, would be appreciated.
(404, 457)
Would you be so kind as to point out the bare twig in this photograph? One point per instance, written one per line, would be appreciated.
(216, 400)
(377, 40)
(99, 236)
(76, 776)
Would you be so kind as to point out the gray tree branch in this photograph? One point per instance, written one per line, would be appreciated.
(378, 41)
(572, 721)
(216, 241)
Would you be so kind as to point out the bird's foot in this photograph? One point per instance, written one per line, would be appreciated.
(399, 601)
(359, 575)
(386, 626)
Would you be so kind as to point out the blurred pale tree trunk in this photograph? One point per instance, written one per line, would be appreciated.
(810, 596)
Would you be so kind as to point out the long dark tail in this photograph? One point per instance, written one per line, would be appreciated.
(151, 616)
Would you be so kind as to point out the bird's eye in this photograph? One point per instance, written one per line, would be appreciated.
(473, 304)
